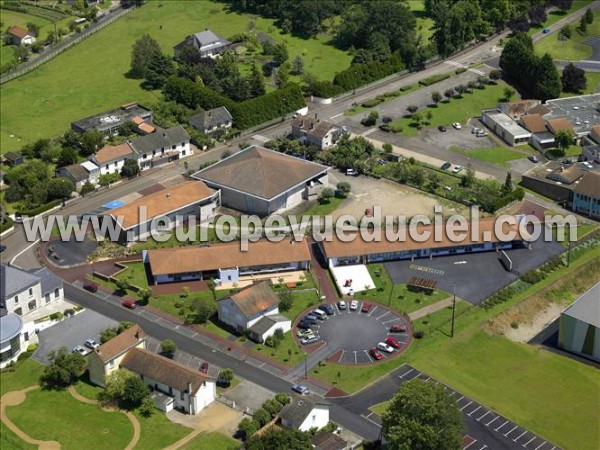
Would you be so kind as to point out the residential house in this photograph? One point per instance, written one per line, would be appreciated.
(190, 390)
(11, 342)
(312, 131)
(93, 171)
(21, 36)
(140, 218)
(505, 127)
(267, 325)
(306, 412)
(586, 195)
(108, 122)
(541, 138)
(591, 153)
(76, 173)
(207, 43)
(107, 358)
(324, 440)
(14, 159)
(594, 137)
(242, 310)
(560, 124)
(263, 182)
(226, 262)
(212, 121)
(111, 158)
(161, 146)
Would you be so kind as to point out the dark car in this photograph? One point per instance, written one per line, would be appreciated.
(90, 286)
(223, 382)
(376, 354)
(366, 307)
(397, 328)
(304, 325)
(131, 304)
(532, 158)
(204, 367)
(446, 166)
(327, 308)
(2, 248)
(310, 318)
(442, 128)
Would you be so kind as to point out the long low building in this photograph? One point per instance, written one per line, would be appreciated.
(358, 251)
(226, 262)
(505, 127)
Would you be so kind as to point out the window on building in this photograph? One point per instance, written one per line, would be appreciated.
(106, 167)
(32, 305)
(19, 311)
(173, 147)
(16, 299)
(56, 292)
(111, 363)
(47, 297)
(30, 291)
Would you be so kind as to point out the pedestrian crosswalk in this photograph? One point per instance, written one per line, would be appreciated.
(479, 71)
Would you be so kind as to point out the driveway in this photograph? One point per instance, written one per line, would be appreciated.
(248, 396)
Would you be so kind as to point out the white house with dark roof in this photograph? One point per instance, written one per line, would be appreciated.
(212, 121)
(207, 43)
(313, 131)
(304, 413)
(263, 182)
(161, 146)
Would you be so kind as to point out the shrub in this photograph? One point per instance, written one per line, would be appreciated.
(514, 325)
(248, 427)
(460, 70)
(32, 348)
(372, 102)
(38, 210)
(272, 406)
(418, 334)
(56, 316)
(6, 225)
(360, 74)
(262, 417)
(147, 407)
(324, 89)
(282, 398)
(434, 79)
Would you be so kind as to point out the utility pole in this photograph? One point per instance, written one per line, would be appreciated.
(453, 308)
(391, 294)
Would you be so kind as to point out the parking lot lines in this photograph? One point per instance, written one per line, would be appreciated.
(475, 410)
(529, 441)
(466, 405)
(511, 430)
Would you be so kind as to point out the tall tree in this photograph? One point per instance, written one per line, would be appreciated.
(298, 65)
(280, 53)
(573, 79)
(436, 97)
(589, 16)
(583, 25)
(537, 15)
(130, 168)
(160, 67)
(564, 139)
(507, 187)
(64, 368)
(67, 157)
(143, 52)
(256, 82)
(422, 416)
(91, 141)
(547, 79)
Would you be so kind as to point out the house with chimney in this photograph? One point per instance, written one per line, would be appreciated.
(305, 413)
(312, 131)
(212, 121)
(21, 36)
(160, 145)
(107, 358)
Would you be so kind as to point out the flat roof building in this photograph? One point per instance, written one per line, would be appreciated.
(581, 111)
(108, 122)
(505, 127)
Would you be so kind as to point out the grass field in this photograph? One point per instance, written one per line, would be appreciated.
(211, 441)
(102, 61)
(573, 49)
(424, 23)
(457, 109)
(593, 85)
(380, 408)
(557, 15)
(158, 432)
(500, 156)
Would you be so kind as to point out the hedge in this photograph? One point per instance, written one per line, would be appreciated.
(434, 79)
(361, 74)
(325, 89)
(38, 210)
(6, 225)
(372, 102)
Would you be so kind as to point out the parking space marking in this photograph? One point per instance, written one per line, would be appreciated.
(484, 446)
(529, 441)
(383, 315)
(512, 429)
(355, 360)
(466, 405)
(478, 420)
(521, 435)
(389, 321)
(368, 356)
(540, 445)
(497, 429)
(403, 375)
(475, 410)
(472, 442)
(372, 310)
(493, 420)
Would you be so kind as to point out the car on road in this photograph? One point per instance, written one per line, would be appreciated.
(204, 367)
(91, 343)
(327, 308)
(397, 328)
(130, 303)
(366, 307)
(457, 169)
(456, 125)
(546, 30)
(376, 354)
(446, 166)
(2, 248)
(79, 349)
(384, 347)
(353, 305)
(342, 305)
(392, 342)
(532, 158)
(351, 172)
(309, 340)
(442, 128)
(300, 389)
(90, 286)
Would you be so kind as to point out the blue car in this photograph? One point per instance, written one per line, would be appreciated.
(327, 308)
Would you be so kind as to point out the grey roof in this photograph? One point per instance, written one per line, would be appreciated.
(577, 110)
(49, 281)
(211, 118)
(10, 326)
(161, 138)
(76, 171)
(587, 307)
(13, 281)
(13, 156)
(112, 118)
(299, 408)
(265, 324)
(205, 40)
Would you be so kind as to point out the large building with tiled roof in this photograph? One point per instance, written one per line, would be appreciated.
(261, 181)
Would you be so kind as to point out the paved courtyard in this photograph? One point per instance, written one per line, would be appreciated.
(354, 278)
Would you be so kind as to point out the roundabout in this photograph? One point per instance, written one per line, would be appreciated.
(349, 336)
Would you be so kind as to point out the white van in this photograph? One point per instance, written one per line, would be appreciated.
(320, 314)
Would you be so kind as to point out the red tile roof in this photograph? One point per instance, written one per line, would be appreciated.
(18, 32)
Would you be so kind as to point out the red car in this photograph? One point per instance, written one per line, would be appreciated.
(131, 304)
(204, 367)
(366, 307)
(90, 286)
(375, 354)
(397, 328)
(392, 342)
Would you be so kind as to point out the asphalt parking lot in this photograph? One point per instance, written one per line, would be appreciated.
(476, 276)
(71, 332)
(351, 334)
(68, 253)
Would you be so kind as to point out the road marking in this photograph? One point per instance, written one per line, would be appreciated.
(513, 429)
(370, 420)
(484, 446)
(461, 397)
(337, 115)
(525, 445)
(475, 410)
(540, 445)
(372, 311)
(465, 448)
(383, 315)
(368, 356)
(355, 361)
(501, 426)
(368, 132)
(410, 371)
(466, 405)
(493, 420)
(388, 321)
(515, 440)
(483, 416)
(21, 252)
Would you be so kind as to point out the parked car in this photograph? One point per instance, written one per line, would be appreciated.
(342, 305)
(79, 349)
(376, 354)
(304, 325)
(481, 134)
(397, 328)
(309, 340)
(566, 162)
(392, 342)
(204, 367)
(532, 158)
(300, 389)
(456, 125)
(366, 307)
(384, 347)
(2, 248)
(475, 130)
(457, 169)
(309, 318)
(131, 304)
(442, 128)
(303, 333)
(353, 305)
(351, 172)
(223, 382)
(91, 343)
(327, 308)
(90, 286)
(446, 166)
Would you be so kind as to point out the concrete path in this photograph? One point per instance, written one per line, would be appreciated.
(431, 308)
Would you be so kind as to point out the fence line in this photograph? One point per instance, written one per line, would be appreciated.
(65, 45)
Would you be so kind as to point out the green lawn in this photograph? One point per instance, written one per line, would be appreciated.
(211, 441)
(500, 156)
(557, 15)
(573, 49)
(135, 274)
(102, 60)
(457, 109)
(159, 432)
(7, 53)
(56, 415)
(322, 209)
(424, 23)
(380, 408)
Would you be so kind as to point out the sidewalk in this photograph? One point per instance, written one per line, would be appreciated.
(431, 308)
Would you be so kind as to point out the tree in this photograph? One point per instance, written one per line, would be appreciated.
(563, 139)
(21, 53)
(256, 82)
(537, 15)
(548, 84)
(281, 77)
(261, 416)
(573, 79)
(344, 187)
(33, 28)
(67, 157)
(507, 187)
(280, 438)
(248, 427)
(371, 119)
(461, 89)
(108, 334)
(583, 24)
(422, 416)
(468, 179)
(59, 188)
(495, 74)
(449, 93)
(436, 97)
(212, 286)
(563, 5)
(226, 374)
(508, 93)
(272, 406)
(417, 119)
(130, 168)
(168, 348)
(412, 109)
(159, 68)
(589, 16)
(146, 409)
(286, 300)
(326, 195)
(64, 368)
(297, 65)
(87, 188)
(280, 53)
(144, 50)
(90, 142)
(134, 392)
(282, 398)
(51, 38)
(205, 308)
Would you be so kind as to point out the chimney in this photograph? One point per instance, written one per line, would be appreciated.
(168, 195)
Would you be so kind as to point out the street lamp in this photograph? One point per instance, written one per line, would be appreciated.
(453, 308)
(305, 365)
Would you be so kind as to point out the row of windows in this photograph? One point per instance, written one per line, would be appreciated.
(56, 293)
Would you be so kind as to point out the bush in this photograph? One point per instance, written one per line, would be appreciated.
(282, 398)
(147, 407)
(460, 70)
(371, 119)
(514, 325)
(6, 225)
(39, 209)
(324, 89)
(360, 74)
(419, 334)
(272, 406)
(434, 79)
(56, 316)
(248, 427)
(262, 417)
(32, 348)
(372, 102)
